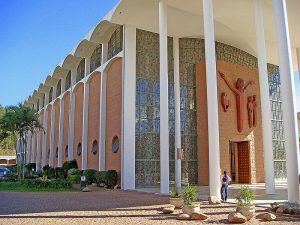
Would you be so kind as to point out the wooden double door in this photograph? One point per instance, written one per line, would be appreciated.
(240, 162)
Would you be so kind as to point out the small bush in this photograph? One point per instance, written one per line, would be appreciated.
(101, 177)
(90, 176)
(111, 178)
(11, 176)
(74, 179)
(245, 197)
(55, 184)
(189, 194)
(74, 171)
(13, 168)
(30, 167)
(59, 173)
(49, 172)
(69, 165)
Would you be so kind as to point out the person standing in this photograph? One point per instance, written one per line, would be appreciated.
(225, 179)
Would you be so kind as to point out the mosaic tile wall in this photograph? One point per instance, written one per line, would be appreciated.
(277, 123)
(147, 109)
(147, 106)
(115, 44)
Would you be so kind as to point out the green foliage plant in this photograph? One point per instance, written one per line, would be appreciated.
(101, 177)
(245, 197)
(67, 165)
(174, 193)
(59, 173)
(90, 176)
(111, 178)
(189, 195)
(74, 171)
(74, 179)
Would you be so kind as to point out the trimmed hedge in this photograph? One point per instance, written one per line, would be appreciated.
(74, 179)
(90, 176)
(109, 178)
(74, 171)
(59, 173)
(55, 184)
(67, 165)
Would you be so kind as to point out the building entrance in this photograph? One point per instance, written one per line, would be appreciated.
(240, 162)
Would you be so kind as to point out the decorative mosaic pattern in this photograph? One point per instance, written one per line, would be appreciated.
(115, 44)
(147, 109)
(277, 123)
(234, 55)
(68, 81)
(96, 58)
(58, 88)
(80, 70)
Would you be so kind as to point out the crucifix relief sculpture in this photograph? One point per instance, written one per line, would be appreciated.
(239, 89)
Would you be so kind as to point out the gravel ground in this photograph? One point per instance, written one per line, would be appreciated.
(105, 207)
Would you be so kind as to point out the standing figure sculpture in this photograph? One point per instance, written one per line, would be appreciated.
(254, 111)
(250, 108)
(239, 90)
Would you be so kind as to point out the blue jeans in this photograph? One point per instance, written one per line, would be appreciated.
(224, 191)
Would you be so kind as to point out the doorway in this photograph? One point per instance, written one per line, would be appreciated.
(239, 153)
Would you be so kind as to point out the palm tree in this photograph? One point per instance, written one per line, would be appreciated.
(19, 121)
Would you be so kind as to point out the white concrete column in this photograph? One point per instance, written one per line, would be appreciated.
(288, 98)
(298, 59)
(102, 121)
(28, 148)
(128, 108)
(71, 117)
(212, 99)
(177, 112)
(164, 101)
(45, 122)
(60, 132)
(33, 147)
(85, 122)
(38, 147)
(265, 100)
(51, 155)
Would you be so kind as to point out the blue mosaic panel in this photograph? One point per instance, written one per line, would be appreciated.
(277, 123)
(115, 43)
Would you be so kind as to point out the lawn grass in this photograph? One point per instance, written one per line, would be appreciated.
(14, 186)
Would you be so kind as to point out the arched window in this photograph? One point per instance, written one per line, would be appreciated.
(43, 100)
(50, 94)
(80, 70)
(68, 81)
(79, 149)
(48, 153)
(115, 44)
(115, 144)
(38, 105)
(66, 152)
(58, 88)
(56, 153)
(96, 58)
(95, 147)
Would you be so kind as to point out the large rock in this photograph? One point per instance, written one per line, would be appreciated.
(168, 210)
(198, 216)
(266, 217)
(247, 213)
(234, 217)
(273, 205)
(183, 217)
(86, 189)
(213, 200)
(280, 210)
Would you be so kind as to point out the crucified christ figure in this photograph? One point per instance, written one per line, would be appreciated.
(239, 90)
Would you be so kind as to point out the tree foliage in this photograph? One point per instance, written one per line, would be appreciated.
(19, 121)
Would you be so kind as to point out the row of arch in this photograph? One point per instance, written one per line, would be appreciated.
(102, 44)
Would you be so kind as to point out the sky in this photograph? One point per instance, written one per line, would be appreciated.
(36, 35)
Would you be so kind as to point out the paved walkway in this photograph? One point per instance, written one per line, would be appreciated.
(105, 207)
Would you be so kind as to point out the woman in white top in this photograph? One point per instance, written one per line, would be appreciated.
(225, 179)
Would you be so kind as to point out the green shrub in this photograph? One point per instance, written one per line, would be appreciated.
(90, 176)
(67, 165)
(49, 172)
(30, 167)
(174, 193)
(189, 195)
(245, 197)
(13, 168)
(74, 179)
(55, 184)
(101, 177)
(111, 178)
(74, 171)
(11, 176)
(59, 173)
